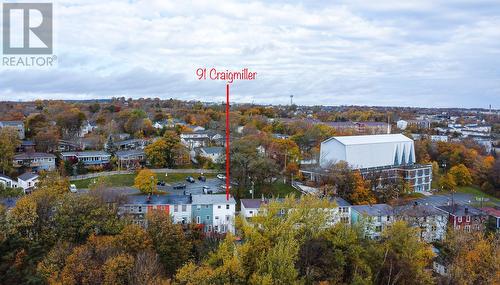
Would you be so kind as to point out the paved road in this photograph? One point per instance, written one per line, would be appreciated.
(445, 199)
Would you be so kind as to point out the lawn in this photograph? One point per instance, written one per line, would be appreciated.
(128, 179)
(277, 189)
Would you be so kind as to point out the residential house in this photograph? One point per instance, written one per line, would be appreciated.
(213, 153)
(67, 146)
(87, 128)
(251, 207)
(36, 161)
(26, 146)
(341, 213)
(202, 139)
(7, 182)
(27, 181)
(89, 158)
(214, 212)
(130, 158)
(18, 126)
(464, 217)
(131, 144)
(493, 218)
(137, 206)
(374, 218)
(430, 221)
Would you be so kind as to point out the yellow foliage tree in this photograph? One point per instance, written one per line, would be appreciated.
(146, 181)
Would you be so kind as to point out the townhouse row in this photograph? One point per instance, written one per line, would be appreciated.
(214, 212)
(430, 221)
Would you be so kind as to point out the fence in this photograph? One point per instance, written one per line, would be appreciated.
(161, 170)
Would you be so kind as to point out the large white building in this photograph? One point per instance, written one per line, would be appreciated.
(368, 151)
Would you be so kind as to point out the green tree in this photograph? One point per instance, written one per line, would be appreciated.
(146, 181)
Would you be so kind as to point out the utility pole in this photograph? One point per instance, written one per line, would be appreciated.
(291, 100)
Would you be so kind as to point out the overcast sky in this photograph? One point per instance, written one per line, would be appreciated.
(399, 53)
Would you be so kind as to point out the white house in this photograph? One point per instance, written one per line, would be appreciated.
(87, 128)
(6, 181)
(18, 126)
(214, 153)
(402, 124)
(27, 181)
(251, 207)
(430, 221)
(222, 211)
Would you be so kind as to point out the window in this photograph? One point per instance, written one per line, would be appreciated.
(208, 218)
(433, 228)
(467, 218)
(198, 207)
(228, 217)
(140, 209)
(176, 208)
(209, 228)
(379, 219)
(227, 207)
(219, 206)
(344, 220)
(198, 219)
(467, 228)
(216, 228)
(251, 212)
(216, 217)
(206, 206)
(184, 208)
(378, 229)
(388, 218)
(459, 219)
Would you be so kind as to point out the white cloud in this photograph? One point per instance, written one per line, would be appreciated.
(353, 52)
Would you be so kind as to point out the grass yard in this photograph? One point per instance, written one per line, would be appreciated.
(277, 189)
(128, 179)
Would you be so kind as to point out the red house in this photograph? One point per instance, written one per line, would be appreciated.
(465, 218)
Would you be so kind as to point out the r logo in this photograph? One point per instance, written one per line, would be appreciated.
(27, 28)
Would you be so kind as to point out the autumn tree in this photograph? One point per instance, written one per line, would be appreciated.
(447, 182)
(9, 141)
(164, 151)
(461, 175)
(168, 240)
(361, 194)
(146, 181)
(402, 258)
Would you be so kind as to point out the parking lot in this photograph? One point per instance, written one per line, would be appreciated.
(445, 199)
(213, 184)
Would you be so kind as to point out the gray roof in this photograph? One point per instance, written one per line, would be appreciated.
(85, 153)
(31, 155)
(27, 176)
(5, 177)
(158, 199)
(212, 199)
(373, 210)
(417, 210)
(459, 210)
(252, 203)
(340, 202)
(370, 139)
(213, 149)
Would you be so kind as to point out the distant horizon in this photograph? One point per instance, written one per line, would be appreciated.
(103, 100)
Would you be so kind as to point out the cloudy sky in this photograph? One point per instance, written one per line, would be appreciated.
(398, 53)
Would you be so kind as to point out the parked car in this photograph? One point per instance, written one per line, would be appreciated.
(206, 189)
(202, 178)
(221, 176)
(161, 183)
(190, 179)
(179, 186)
(73, 189)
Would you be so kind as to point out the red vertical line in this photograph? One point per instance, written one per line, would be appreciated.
(227, 142)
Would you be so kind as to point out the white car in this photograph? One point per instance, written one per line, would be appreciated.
(221, 176)
(72, 188)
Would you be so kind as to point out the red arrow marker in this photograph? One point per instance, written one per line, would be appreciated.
(227, 142)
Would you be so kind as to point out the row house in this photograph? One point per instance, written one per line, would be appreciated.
(36, 161)
(89, 158)
(341, 212)
(493, 218)
(430, 222)
(18, 126)
(138, 206)
(464, 217)
(374, 218)
(214, 212)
